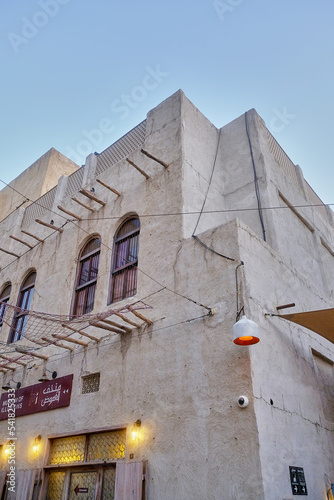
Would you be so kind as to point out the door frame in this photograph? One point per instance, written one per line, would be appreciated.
(70, 469)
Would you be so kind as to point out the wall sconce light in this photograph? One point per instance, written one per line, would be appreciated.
(245, 332)
(135, 429)
(36, 443)
(45, 378)
(8, 386)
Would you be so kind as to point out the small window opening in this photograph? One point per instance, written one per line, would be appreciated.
(91, 383)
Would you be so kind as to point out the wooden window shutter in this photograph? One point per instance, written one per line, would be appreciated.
(124, 272)
(3, 478)
(86, 280)
(130, 481)
(24, 485)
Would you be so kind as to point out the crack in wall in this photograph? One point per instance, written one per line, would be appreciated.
(317, 424)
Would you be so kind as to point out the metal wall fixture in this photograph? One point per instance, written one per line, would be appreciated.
(45, 378)
(8, 386)
(36, 443)
(135, 429)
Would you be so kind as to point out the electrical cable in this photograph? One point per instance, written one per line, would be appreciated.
(114, 342)
(106, 246)
(256, 182)
(175, 214)
(211, 249)
(210, 181)
(237, 290)
(204, 201)
(194, 212)
(227, 210)
(163, 215)
(5, 344)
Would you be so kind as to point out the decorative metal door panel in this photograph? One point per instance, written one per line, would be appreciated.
(108, 488)
(83, 486)
(55, 486)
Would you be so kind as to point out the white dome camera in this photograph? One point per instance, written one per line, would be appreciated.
(243, 401)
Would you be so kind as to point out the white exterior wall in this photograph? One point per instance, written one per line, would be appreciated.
(36, 180)
(182, 375)
(290, 400)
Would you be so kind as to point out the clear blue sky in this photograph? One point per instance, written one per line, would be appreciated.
(68, 67)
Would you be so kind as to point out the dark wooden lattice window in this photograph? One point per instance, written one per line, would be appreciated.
(90, 383)
(4, 298)
(21, 316)
(87, 278)
(125, 261)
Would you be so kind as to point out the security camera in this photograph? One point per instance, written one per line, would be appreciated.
(243, 401)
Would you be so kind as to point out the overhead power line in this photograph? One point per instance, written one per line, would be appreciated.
(109, 248)
(220, 211)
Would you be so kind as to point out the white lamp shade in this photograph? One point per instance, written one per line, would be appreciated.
(245, 332)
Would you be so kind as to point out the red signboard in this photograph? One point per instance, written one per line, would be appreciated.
(45, 396)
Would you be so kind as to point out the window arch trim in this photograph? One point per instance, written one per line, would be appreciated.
(84, 290)
(4, 298)
(124, 269)
(24, 301)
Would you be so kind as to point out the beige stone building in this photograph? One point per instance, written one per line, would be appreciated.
(120, 284)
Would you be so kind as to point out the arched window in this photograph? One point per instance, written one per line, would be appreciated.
(24, 301)
(87, 278)
(123, 281)
(4, 298)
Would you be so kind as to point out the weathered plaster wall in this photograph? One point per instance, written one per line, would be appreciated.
(218, 171)
(224, 178)
(293, 428)
(183, 375)
(298, 231)
(36, 180)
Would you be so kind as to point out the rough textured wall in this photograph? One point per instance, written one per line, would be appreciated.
(181, 377)
(219, 172)
(298, 231)
(36, 180)
(219, 179)
(292, 400)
